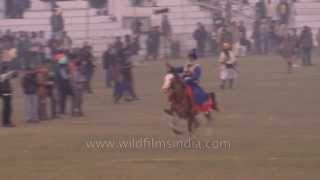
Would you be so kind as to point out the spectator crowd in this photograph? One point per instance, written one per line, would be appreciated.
(53, 71)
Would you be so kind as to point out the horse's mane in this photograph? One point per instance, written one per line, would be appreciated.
(178, 79)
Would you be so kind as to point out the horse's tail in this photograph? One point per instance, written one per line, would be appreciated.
(214, 101)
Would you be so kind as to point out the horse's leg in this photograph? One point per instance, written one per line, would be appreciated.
(190, 124)
(196, 123)
(174, 125)
(214, 100)
(193, 124)
(209, 118)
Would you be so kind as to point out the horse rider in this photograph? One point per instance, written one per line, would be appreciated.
(190, 74)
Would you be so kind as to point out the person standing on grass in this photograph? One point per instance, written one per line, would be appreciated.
(295, 47)
(109, 58)
(256, 36)
(264, 36)
(153, 43)
(228, 71)
(318, 38)
(29, 86)
(124, 82)
(52, 91)
(86, 56)
(57, 23)
(244, 43)
(118, 85)
(166, 31)
(200, 35)
(6, 92)
(42, 90)
(78, 81)
(63, 84)
(166, 28)
(306, 45)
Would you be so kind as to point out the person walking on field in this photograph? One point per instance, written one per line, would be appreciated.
(287, 47)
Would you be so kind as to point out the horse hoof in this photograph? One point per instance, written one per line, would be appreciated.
(196, 125)
(208, 116)
(168, 112)
(176, 131)
(172, 126)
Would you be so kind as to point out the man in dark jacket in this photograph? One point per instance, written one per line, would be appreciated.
(261, 10)
(306, 44)
(87, 58)
(6, 93)
(57, 23)
(153, 43)
(166, 28)
(200, 35)
(29, 87)
(124, 81)
(64, 86)
(109, 58)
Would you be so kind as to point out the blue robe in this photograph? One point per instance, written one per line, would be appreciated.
(192, 80)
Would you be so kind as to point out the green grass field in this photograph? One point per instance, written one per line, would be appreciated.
(271, 120)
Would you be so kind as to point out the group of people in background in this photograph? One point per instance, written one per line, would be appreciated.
(16, 8)
(157, 38)
(51, 72)
(272, 33)
(118, 63)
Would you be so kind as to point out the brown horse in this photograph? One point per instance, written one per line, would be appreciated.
(182, 104)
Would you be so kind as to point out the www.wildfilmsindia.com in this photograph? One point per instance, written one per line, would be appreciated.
(151, 143)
